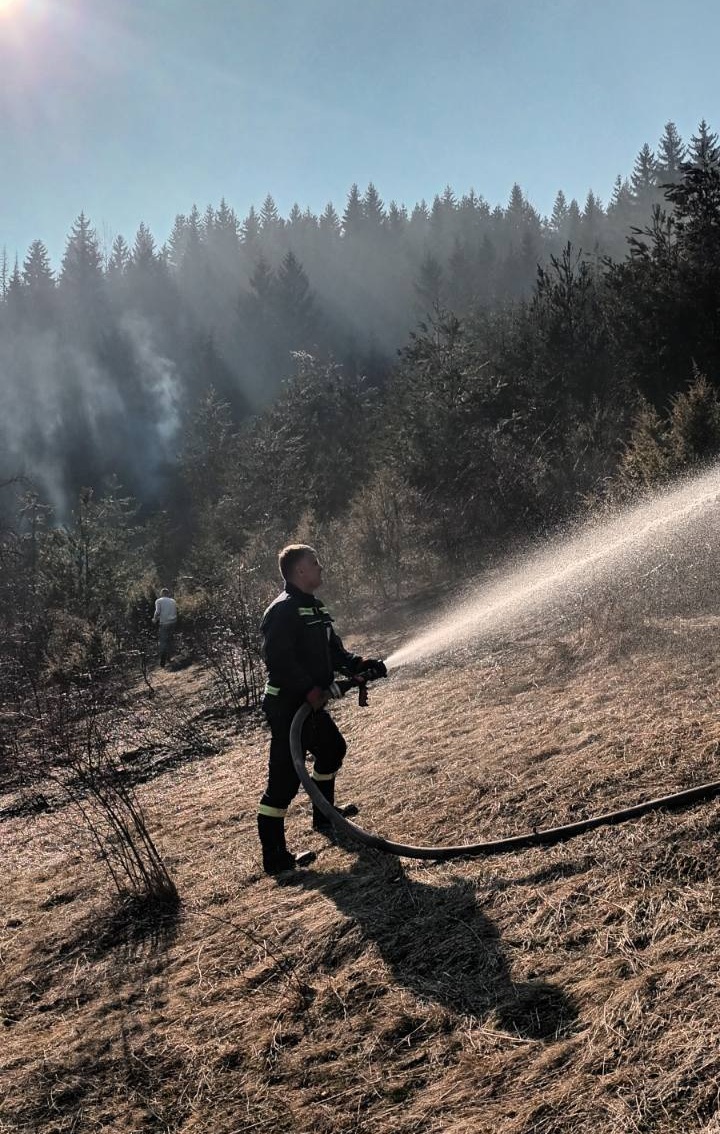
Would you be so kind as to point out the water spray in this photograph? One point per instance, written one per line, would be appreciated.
(533, 585)
(542, 577)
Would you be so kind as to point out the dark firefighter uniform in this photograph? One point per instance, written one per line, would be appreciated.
(302, 652)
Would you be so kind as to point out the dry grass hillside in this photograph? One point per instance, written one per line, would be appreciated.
(570, 989)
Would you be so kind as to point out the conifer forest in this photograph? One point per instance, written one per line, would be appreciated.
(413, 387)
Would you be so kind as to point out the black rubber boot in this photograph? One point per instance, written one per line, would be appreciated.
(280, 861)
(321, 823)
(276, 857)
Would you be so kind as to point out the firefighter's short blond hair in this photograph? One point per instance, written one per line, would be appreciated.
(291, 555)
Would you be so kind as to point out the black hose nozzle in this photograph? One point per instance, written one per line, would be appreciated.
(373, 672)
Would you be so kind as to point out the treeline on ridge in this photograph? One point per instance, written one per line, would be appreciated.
(104, 362)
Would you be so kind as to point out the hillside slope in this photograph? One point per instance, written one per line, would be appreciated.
(568, 989)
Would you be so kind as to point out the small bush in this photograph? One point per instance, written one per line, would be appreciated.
(221, 622)
(660, 449)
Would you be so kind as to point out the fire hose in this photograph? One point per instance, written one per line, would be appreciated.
(547, 837)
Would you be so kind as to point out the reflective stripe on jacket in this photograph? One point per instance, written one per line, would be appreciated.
(300, 646)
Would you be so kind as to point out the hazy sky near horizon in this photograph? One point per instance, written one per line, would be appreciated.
(135, 109)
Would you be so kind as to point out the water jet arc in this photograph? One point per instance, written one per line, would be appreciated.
(547, 837)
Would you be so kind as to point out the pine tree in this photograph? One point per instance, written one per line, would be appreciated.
(82, 261)
(470, 213)
(621, 215)
(418, 229)
(666, 293)
(207, 225)
(643, 179)
(37, 273)
(593, 217)
(573, 226)
(396, 219)
(517, 216)
(449, 200)
(259, 334)
(279, 316)
(442, 220)
(558, 217)
(420, 214)
(295, 302)
(39, 284)
(704, 149)
(437, 219)
(144, 254)
(353, 221)
(193, 229)
(516, 208)
(177, 242)
(250, 229)
(330, 222)
(621, 199)
(223, 241)
(226, 227)
(81, 295)
(373, 208)
(696, 201)
(146, 275)
(670, 156)
(262, 282)
(191, 272)
(119, 258)
(295, 218)
(270, 221)
(299, 230)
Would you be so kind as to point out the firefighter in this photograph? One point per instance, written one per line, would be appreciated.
(302, 653)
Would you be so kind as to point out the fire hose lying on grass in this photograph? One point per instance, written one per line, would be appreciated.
(547, 837)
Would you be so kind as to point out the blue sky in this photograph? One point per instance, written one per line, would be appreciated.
(134, 109)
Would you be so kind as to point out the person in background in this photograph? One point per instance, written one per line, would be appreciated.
(166, 617)
(302, 653)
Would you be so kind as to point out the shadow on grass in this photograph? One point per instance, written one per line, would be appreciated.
(441, 946)
(133, 927)
(140, 924)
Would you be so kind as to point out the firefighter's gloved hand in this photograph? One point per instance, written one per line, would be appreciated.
(317, 698)
(335, 691)
(372, 668)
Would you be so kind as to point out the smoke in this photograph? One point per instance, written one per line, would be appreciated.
(74, 416)
(160, 380)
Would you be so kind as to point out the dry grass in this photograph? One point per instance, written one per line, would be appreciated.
(560, 990)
